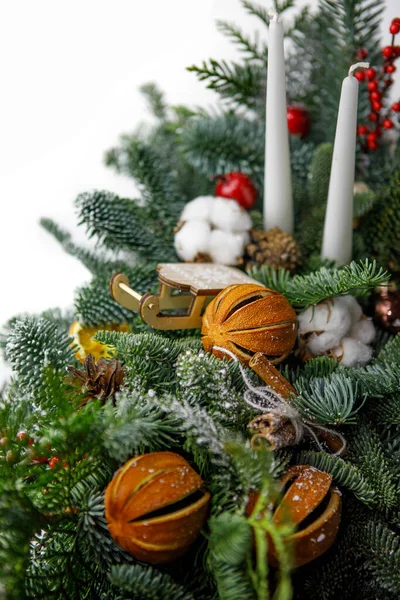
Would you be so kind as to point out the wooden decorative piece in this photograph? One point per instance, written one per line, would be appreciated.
(277, 429)
(185, 291)
(310, 491)
(250, 318)
(156, 507)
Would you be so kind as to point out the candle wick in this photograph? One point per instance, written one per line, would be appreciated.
(359, 65)
(273, 15)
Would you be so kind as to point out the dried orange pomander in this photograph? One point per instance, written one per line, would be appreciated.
(313, 505)
(156, 506)
(248, 318)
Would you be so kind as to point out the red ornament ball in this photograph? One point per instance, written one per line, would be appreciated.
(390, 69)
(361, 53)
(372, 86)
(375, 96)
(370, 73)
(362, 130)
(373, 116)
(376, 106)
(360, 75)
(396, 107)
(388, 124)
(298, 119)
(372, 144)
(394, 28)
(237, 186)
(388, 51)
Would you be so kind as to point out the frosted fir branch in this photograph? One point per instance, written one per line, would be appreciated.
(35, 347)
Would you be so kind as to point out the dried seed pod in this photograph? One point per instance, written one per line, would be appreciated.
(310, 499)
(249, 318)
(156, 506)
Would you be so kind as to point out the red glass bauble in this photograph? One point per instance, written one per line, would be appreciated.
(237, 186)
(298, 119)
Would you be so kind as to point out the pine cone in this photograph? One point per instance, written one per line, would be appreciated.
(98, 380)
(274, 247)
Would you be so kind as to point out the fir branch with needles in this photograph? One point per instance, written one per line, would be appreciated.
(302, 291)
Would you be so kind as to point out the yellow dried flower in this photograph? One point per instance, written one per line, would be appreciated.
(83, 338)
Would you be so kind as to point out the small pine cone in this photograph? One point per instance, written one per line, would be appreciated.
(97, 380)
(274, 247)
(202, 257)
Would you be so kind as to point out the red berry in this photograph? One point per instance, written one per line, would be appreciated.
(375, 96)
(360, 75)
(362, 130)
(396, 107)
(237, 186)
(373, 117)
(388, 51)
(361, 53)
(372, 144)
(298, 120)
(370, 73)
(22, 435)
(388, 124)
(376, 106)
(394, 28)
(53, 461)
(390, 69)
(396, 50)
(396, 20)
(372, 86)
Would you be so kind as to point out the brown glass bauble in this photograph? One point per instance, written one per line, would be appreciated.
(156, 506)
(387, 308)
(248, 318)
(314, 506)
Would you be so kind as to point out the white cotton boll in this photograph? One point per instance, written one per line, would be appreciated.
(229, 216)
(353, 353)
(199, 208)
(363, 331)
(353, 307)
(226, 248)
(329, 321)
(193, 237)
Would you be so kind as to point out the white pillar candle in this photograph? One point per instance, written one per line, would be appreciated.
(278, 202)
(338, 229)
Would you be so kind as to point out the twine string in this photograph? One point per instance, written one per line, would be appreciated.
(271, 401)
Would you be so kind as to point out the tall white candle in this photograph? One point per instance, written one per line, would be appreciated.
(338, 229)
(278, 202)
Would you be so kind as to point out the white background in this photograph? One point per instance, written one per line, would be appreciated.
(70, 72)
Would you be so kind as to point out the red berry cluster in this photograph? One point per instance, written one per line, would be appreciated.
(378, 82)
